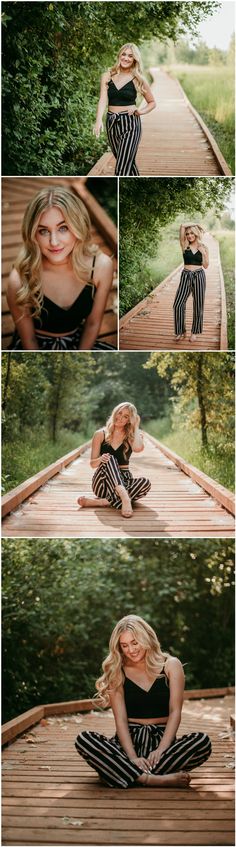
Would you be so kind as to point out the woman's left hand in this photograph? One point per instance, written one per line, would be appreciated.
(132, 110)
(154, 758)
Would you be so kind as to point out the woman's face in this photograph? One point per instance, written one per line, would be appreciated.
(126, 59)
(122, 417)
(130, 647)
(55, 239)
(190, 235)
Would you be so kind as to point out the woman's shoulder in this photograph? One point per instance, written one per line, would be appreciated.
(14, 282)
(103, 264)
(106, 76)
(99, 434)
(172, 663)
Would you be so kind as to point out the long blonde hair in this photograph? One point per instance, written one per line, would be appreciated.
(113, 676)
(128, 428)
(137, 66)
(29, 260)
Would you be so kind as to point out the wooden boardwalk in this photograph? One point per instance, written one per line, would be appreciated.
(150, 324)
(51, 796)
(16, 193)
(182, 502)
(175, 140)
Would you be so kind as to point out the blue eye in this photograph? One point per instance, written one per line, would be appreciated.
(63, 228)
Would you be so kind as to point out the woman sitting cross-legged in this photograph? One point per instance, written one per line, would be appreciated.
(144, 687)
(113, 483)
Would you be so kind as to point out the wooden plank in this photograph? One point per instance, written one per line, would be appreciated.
(175, 140)
(150, 324)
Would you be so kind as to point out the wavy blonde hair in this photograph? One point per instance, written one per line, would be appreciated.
(113, 675)
(128, 428)
(196, 228)
(137, 65)
(29, 260)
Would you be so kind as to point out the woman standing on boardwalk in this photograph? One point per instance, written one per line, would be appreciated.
(120, 86)
(113, 483)
(144, 687)
(192, 280)
(60, 281)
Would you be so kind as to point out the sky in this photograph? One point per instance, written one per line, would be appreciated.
(216, 29)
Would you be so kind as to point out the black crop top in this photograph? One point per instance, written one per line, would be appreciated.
(191, 258)
(122, 459)
(147, 704)
(124, 96)
(56, 319)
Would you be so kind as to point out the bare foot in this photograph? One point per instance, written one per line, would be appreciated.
(193, 337)
(181, 779)
(178, 337)
(86, 502)
(126, 509)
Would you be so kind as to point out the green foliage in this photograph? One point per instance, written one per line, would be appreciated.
(146, 208)
(35, 451)
(227, 253)
(211, 90)
(50, 92)
(61, 599)
(214, 462)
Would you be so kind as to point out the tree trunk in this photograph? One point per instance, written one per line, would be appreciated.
(56, 401)
(7, 382)
(201, 400)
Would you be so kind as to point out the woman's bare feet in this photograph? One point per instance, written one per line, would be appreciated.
(86, 502)
(193, 337)
(181, 779)
(126, 508)
(178, 337)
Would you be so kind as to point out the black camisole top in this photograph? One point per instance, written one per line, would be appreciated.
(56, 319)
(124, 96)
(147, 704)
(122, 459)
(191, 258)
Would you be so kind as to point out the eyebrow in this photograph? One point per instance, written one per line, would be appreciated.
(44, 226)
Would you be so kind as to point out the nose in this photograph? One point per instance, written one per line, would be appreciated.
(54, 238)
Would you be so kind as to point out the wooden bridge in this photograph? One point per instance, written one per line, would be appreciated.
(150, 324)
(16, 193)
(51, 796)
(175, 139)
(183, 501)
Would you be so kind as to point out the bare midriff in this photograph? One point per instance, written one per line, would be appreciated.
(54, 334)
(193, 267)
(148, 720)
(119, 109)
(124, 467)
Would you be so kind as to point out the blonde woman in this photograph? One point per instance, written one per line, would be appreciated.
(60, 281)
(192, 280)
(144, 687)
(113, 483)
(120, 86)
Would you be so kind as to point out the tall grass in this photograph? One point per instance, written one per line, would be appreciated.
(187, 443)
(210, 88)
(226, 239)
(25, 457)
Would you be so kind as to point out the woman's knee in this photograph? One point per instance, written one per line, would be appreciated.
(204, 743)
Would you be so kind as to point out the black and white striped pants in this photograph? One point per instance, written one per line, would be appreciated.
(107, 757)
(108, 475)
(124, 133)
(191, 282)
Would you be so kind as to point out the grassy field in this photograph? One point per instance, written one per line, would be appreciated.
(226, 240)
(169, 254)
(211, 91)
(24, 458)
(187, 443)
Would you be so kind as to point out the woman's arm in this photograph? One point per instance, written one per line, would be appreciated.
(151, 103)
(103, 280)
(205, 254)
(182, 236)
(21, 315)
(175, 673)
(96, 459)
(98, 126)
(122, 728)
(138, 444)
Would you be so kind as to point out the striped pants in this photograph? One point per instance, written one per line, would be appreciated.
(108, 475)
(124, 133)
(107, 757)
(191, 282)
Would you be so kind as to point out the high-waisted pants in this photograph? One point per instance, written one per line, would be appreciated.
(124, 133)
(107, 757)
(108, 475)
(191, 282)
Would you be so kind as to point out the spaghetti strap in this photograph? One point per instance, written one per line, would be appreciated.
(92, 271)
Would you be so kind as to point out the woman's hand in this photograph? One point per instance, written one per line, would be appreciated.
(154, 758)
(104, 458)
(97, 128)
(142, 763)
(132, 110)
(137, 421)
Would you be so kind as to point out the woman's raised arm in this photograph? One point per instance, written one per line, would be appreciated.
(182, 236)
